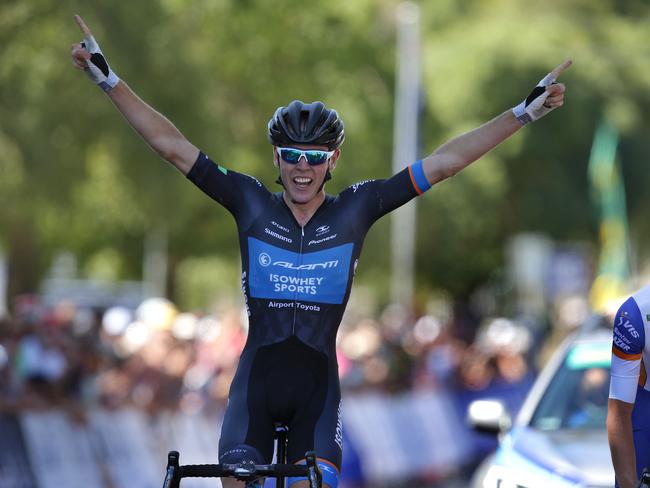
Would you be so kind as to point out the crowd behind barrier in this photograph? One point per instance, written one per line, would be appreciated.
(153, 379)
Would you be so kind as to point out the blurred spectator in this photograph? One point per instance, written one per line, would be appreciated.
(41, 364)
(156, 358)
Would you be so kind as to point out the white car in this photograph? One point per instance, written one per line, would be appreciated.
(558, 439)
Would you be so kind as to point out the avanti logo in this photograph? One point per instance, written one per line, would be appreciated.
(308, 267)
(264, 259)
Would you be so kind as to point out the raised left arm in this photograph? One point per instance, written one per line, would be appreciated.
(456, 154)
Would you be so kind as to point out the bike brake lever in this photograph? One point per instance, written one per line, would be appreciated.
(171, 478)
(314, 476)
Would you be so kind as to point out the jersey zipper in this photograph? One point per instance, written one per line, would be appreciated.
(295, 300)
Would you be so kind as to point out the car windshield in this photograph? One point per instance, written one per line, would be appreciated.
(577, 396)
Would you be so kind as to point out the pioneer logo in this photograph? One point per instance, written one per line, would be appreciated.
(324, 239)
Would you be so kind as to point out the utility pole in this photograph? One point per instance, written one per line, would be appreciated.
(405, 136)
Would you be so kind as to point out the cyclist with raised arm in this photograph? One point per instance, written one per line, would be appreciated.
(299, 249)
(628, 429)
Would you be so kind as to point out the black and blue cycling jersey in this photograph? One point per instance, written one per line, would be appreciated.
(296, 281)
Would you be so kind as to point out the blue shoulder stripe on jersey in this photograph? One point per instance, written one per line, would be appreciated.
(418, 178)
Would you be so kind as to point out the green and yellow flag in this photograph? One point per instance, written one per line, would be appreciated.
(610, 284)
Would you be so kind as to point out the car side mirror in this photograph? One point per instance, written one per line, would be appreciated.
(490, 416)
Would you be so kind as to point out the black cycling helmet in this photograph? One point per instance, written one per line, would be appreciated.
(306, 123)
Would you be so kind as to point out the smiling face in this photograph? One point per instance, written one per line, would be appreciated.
(303, 183)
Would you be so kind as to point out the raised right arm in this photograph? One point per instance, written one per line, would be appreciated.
(158, 132)
(461, 151)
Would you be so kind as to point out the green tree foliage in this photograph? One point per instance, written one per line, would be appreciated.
(480, 57)
(74, 176)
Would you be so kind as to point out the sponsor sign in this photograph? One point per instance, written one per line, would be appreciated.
(323, 229)
(320, 276)
(356, 186)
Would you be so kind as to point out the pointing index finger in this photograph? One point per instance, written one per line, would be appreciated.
(561, 68)
(84, 28)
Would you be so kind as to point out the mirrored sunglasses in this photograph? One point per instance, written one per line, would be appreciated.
(314, 157)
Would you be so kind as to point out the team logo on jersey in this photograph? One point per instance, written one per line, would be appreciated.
(627, 325)
(264, 259)
(281, 227)
(311, 266)
(243, 289)
(323, 229)
(258, 182)
(320, 276)
(272, 233)
(647, 317)
(356, 186)
(338, 436)
(620, 343)
(324, 239)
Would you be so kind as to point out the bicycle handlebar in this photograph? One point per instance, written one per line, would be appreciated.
(242, 471)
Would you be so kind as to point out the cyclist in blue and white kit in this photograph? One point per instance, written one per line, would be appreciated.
(628, 422)
(300, 249)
